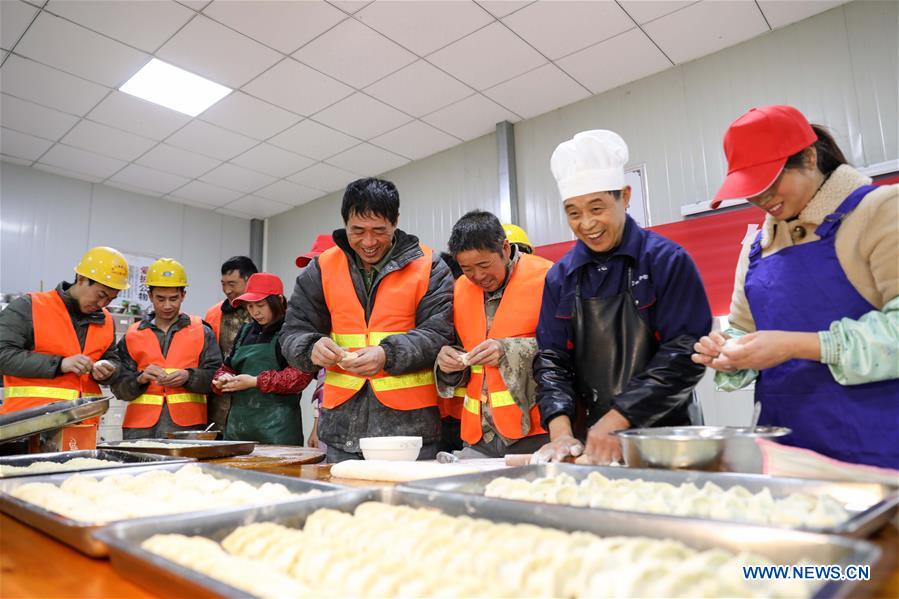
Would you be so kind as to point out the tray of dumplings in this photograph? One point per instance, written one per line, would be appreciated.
(394, 542)
(36, 464)
(573, 491)
(185, 448)
(72, 507)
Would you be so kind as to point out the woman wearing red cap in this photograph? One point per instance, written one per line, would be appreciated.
(815, 312)
(266, 403)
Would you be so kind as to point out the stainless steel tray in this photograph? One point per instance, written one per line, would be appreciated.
(48, 417)
(169, 579)
(187, 448)
(871, 505)
(128, 459)
(80, 535)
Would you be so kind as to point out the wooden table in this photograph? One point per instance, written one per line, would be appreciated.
(35, 565)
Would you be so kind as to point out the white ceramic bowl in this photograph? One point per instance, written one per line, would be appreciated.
(395, 449)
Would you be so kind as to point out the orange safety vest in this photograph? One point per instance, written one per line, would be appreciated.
(451, 407)
(214, 319)
(516, 316)
(185, 407)
(399, 294)
(54, 334)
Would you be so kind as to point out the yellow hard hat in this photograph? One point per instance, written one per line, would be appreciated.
(516, 234)
(166, 272)
(105, 266)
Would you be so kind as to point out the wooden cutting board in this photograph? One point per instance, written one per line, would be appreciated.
(275, 459)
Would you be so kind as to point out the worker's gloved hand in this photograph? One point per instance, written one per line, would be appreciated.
(176, 378)
(102, 370)
(449, 360)
(368, 361)
(326, 352)
(487, 353)
(557, 450)
(77, 364)
(151, 373)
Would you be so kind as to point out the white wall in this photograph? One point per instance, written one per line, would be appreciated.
(48, 221)
(838, 67)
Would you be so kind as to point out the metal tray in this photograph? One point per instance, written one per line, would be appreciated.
(128, 459)
(169, 579)
(24, 423)
(186, 448)
(80, 535)
(871, 505)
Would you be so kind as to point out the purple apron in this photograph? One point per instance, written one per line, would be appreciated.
(803, 288)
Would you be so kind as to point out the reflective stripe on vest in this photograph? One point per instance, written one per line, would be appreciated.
(186, 346)
(516, 316)
(393, 313)
(54, 334)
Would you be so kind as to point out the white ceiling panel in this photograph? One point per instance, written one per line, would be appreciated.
(245, 114)
(213, 51)
(470, 118)
(415, 140)
(559, 28)
(487, 57)
(367, 160)
(257, 207)
(196, 5)
(29, 80)
(132, 188)
(36, 120)
(22, 145)
(149, 179)
(144, 25)
(138, 116)
(288, 193)
(423, 26)
(15, 16)
(783, 12)
(354, 54)
(180, 162)
(362, 116)
(541, 90)
(272, 161)
(76, 50)
(107, 141)
(644, 11)
(314, 140)
(712, 26)
(284, 26)
(238, 178)
(350, 6)
(211, 141)
(636, 57)
(419, 89)
(14, 160)
(501, 8)
(324, 177)
(81, 161)
(298, 88)
(210, 195)
(67, 173)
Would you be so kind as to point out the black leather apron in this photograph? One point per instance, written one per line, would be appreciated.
(611, 344)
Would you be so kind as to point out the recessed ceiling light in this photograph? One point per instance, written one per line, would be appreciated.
(169, 86)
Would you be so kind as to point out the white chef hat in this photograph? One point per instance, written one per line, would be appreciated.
(590, 162)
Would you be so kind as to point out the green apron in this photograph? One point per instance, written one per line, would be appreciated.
(257, 416)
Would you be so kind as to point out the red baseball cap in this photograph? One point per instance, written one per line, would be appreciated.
(757, 146)
(321, 243)
(260, 286)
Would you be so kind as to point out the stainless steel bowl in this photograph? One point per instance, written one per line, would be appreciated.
(688, 447)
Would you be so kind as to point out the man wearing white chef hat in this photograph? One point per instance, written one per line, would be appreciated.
(621, 311)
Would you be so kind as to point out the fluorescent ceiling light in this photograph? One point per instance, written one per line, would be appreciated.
(169, 86)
